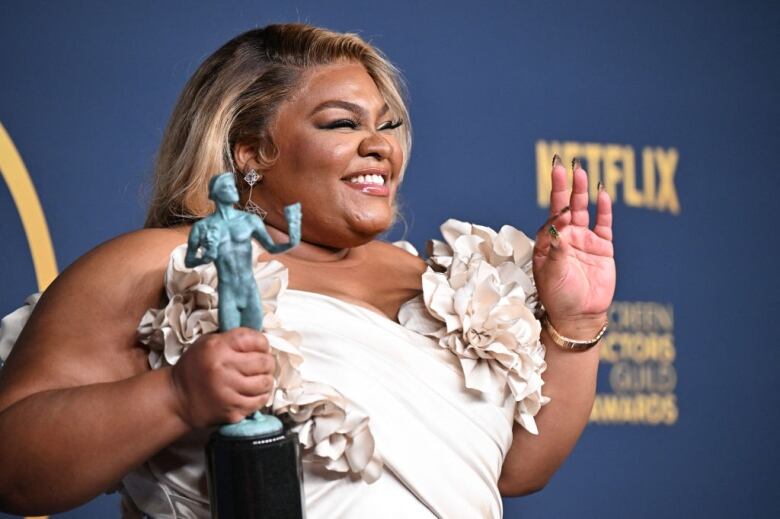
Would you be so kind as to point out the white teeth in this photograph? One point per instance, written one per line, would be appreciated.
(368, 179)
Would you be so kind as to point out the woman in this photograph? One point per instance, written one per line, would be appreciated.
(432, 374)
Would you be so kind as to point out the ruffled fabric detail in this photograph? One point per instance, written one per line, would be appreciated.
(330, 431)
(480, 299)
(341, 441)
(12, 324)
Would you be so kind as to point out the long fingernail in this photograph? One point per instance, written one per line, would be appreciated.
(553, 231)
(575, 164)
(557, 161)
(600, 186)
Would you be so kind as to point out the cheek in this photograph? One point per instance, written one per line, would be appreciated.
(317, 154)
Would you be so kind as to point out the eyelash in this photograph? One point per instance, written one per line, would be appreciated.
(349, 123)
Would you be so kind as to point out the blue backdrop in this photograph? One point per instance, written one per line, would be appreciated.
(673, 104)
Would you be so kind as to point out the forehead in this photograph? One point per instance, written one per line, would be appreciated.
(224, 180)
(340, 81)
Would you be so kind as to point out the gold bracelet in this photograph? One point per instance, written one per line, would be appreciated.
(571, 344)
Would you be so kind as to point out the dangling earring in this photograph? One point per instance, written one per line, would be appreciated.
(252, 177)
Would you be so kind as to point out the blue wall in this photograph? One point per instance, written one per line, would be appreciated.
(86, 89)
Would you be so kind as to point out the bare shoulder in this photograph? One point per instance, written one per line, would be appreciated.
(122, 269)
(83, 329)
(144, 245)
(393, 254)
(405, 268)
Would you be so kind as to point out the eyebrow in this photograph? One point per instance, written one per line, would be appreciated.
(346, 105)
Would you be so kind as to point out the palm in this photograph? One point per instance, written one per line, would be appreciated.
(575, 273)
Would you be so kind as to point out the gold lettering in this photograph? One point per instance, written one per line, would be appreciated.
(631, 195)
(672, 412)
(615, 166)
(650, 409)
(629, 377)
(648, 177)
(592, 156)
(637, 347)
(667, 193)
(641, 316)
(612, 173)
(664, 315)
(605, 409)
(544, 155)
(640, 347)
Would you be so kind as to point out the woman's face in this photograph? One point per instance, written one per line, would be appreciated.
(339, 155)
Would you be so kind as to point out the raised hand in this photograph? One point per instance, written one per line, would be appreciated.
(574, 265)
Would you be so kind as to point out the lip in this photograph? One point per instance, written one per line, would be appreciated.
(369, 189)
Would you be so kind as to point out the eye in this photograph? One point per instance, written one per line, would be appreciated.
(341, 123)
(391, 125)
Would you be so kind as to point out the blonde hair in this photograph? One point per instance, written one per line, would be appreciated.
(234, 96)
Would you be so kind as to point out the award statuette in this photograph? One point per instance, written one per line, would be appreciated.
(254, 468)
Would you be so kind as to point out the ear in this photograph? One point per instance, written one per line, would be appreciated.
(259, 155)
(246, 156)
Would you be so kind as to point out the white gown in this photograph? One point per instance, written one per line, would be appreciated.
(424, 409)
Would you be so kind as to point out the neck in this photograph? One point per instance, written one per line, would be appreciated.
(308, 251)
(226, 211)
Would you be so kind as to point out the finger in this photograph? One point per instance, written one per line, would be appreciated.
(246, 339)
(579, 196)
(253, 386)
(554, 225)
(252, 363)
(560, 219)
(559, 196)
(558, 249)
(603, 226)
(590, 243)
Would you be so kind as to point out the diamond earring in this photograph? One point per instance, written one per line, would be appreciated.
(252, 177)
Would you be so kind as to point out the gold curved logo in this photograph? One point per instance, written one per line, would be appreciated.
(30, 211)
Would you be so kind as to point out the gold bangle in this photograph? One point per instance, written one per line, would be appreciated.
(571, 344)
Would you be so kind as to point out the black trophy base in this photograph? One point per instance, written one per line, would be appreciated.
(254, 478)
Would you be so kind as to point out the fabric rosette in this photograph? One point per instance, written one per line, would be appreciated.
(480, 296)
(341, 441)
(330, 431)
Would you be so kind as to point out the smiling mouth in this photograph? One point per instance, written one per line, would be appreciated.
(373, 184)
(376, 180)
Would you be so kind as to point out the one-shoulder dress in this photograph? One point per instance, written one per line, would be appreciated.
(405, 419)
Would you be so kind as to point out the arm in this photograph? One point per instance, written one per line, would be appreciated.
(76, 388)
(293, 216)
(575, 276)
(570, 382)
(194, 242)
(79, 407)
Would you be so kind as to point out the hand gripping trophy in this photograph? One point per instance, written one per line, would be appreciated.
(253, 465)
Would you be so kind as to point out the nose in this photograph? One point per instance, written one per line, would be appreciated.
(375, 145)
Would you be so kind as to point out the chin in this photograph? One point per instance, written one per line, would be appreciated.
(371, 224)
(357, 232)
